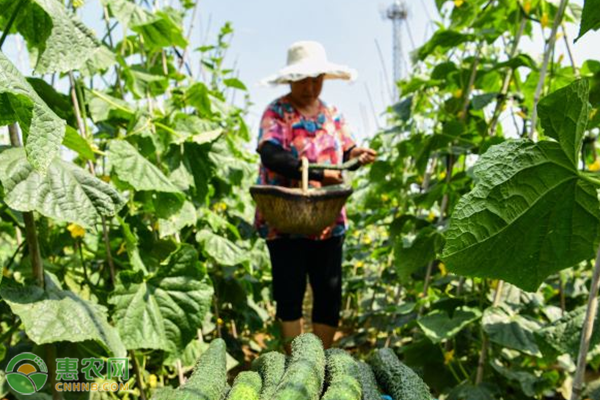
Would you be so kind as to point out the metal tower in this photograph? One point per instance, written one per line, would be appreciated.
(397, 13)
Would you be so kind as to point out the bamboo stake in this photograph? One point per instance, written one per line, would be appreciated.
(30, 230)
(549, 49)
(486, 341)
(587, 330)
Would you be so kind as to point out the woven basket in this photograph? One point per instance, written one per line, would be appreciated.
(301, 211)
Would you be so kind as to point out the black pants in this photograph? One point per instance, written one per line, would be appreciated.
(292, 260)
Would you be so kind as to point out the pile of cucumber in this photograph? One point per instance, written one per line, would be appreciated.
(309, 374)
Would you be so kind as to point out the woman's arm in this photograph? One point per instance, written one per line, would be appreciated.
(283, 162)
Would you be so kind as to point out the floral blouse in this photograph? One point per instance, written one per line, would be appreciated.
(322, 139)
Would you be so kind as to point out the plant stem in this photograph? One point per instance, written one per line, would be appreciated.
(30, 230)
(467, 99)
(188, 36)
(109, 258)
(138, 376)
(486, 341)
(587, 330)
(51, 362)
(549, 50)
(180, 375)
(11, 21)
(506, 83)
(570, 52)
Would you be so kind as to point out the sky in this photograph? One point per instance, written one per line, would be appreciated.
(353, 32)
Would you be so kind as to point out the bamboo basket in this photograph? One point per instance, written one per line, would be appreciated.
(304, 211)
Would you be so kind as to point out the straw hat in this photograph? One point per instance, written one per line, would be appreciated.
(307, 59)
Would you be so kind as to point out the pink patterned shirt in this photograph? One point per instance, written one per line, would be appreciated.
(322, 139)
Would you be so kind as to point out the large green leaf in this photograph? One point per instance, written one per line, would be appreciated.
(438, 325)
(196, 130)
(172, 219)
(43, 129)
(131, 167)
(55, 315)
(413, 254)
(511, 330)
(75, 142)
(564, 116)
(590, 19)
(70, 43)
(163, 310)
(221, 249)
(67, 192)
(165, 31)
(526, 379)
(529, 216)
(142, 82)
(444, 39)
(162, 29)
(563, 335)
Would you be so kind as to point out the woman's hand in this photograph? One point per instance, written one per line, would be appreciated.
(364, 155)
(332, 177)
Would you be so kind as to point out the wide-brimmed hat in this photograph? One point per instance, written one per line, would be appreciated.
(307, 59)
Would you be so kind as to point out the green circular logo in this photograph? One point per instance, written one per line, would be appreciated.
(30, 375)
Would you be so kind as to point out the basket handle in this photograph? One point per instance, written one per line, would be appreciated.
(347, 165)
(304, 175)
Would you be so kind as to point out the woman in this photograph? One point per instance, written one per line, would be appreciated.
(299, 125)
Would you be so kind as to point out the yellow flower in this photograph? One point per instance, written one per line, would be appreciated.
(545, 20)
(219, 207)
(443, 269)
(527, 6)
(355, 234)
(595, 166)
(442, 175)
(367, 240)
(78, 3)
(219, 321)
(385, 198)
(360, 264)
(458, 3)
(431, 216)
(153, 381)
(458, 93)
(448, 357)
(122, 249)
(76, 231)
